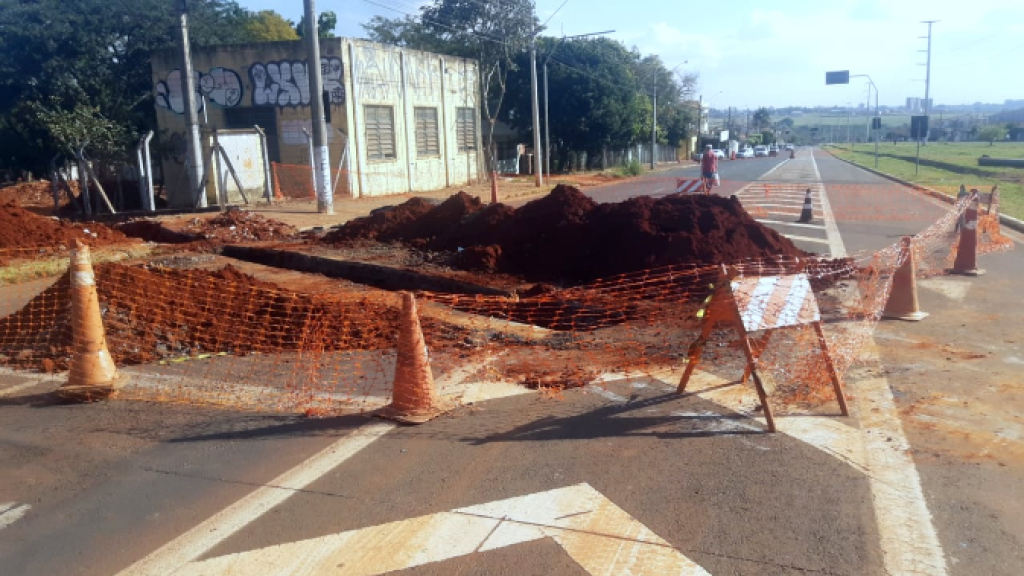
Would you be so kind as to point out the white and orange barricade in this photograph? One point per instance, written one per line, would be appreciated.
(687, 186)
(762, 304)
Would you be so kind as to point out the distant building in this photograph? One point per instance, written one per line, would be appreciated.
(1013, 104)
(402, 120)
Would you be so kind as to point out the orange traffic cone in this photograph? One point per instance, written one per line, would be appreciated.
(92, 375)
(413, 397)
(902, 303)
(807, 214)
(966, 262)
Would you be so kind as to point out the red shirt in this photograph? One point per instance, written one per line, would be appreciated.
(709, 162)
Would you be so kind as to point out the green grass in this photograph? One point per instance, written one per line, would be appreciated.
(945, 166)
(856, 121)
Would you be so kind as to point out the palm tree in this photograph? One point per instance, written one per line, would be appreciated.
(762, 119)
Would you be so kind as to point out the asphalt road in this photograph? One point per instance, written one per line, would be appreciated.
(632, 477)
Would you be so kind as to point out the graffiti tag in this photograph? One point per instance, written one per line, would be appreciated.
(286, 82)
(221, 86)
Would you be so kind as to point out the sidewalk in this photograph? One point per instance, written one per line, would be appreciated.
(303, 215)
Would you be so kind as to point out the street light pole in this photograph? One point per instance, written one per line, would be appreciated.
(871, 83)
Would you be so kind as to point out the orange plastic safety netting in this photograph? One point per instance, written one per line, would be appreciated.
(295, 182)
(226, 338)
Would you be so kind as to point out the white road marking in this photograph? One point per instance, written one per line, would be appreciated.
(17, 388)
(11, 512)
(807, 239)
(794, 224)
(227, 522)
(219, 527)
(831, 229)
(601, 537)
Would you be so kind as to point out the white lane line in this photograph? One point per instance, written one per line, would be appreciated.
(17, 388)
(831, 230)
(600, 536)
(199, 540)
(795, 207)
(794, 224)
(807, 239)
(220, 526)
(11, 512)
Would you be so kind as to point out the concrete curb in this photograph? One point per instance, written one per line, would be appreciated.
(1008, 221)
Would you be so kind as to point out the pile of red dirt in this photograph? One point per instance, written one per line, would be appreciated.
(240, 226)
(566, 237)
(20, 228)
(151, 314)
(384, 224)
(35, 193)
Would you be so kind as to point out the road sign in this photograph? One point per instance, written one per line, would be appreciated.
(876, 123)
(601, 537)
(837, 77)
(724, 136)
(918, 127)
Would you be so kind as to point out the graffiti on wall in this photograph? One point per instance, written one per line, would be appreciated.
(221, 86)
(286, 82)
(423, 77)
(379, 73)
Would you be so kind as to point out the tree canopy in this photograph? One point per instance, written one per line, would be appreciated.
(325, 24)
(90, 59)
(601, 93)
(269, 26)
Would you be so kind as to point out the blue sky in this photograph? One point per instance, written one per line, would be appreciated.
(762, 53)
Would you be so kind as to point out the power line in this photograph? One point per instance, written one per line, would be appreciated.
(557, 10)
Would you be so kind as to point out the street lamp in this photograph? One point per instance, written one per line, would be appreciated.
(547, 125)
(871, 83)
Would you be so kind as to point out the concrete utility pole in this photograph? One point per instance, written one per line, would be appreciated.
(928, 77)
(654, 127)
(322, 155)
(538, 170)
(193, 139)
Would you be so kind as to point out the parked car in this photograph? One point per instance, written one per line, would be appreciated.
(745, 153)
(789, 146)
(761, 151)
(718, 153)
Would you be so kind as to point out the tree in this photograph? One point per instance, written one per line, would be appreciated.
(269, 26)
(761, 119)
(495, 34)
(63, 57)
(991, 133)
(325, 24)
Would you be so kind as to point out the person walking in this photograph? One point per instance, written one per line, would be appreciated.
(708, 168)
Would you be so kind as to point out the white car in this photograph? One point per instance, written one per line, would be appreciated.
(761, 151)
(745, 153)
(718, 153)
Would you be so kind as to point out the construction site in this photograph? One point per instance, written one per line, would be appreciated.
(431, 308)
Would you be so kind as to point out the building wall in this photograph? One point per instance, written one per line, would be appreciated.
(267, 84)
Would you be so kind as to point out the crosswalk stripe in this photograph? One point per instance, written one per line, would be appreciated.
(806, 239)
(794, 224)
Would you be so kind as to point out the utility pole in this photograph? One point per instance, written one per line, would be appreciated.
(193, 139)
(654, 126)
(538, 176)
(928, 78)
(322, 155)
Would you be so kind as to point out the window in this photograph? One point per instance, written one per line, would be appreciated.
(426, 132)
(465, 129)
(380, 132)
